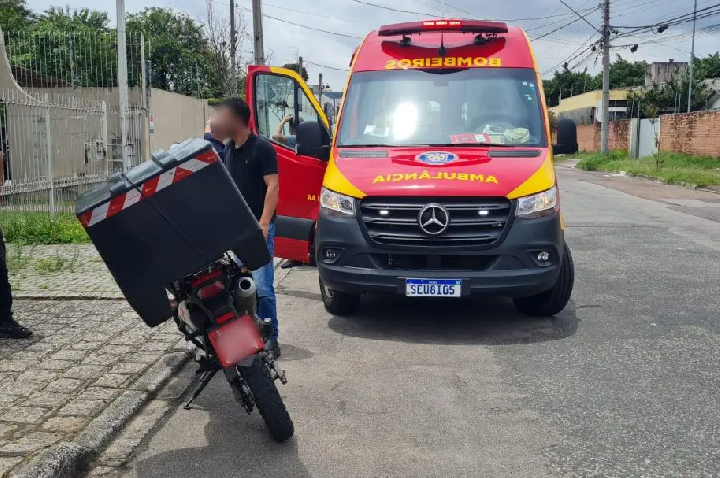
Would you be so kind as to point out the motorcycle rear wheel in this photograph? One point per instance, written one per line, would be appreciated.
(268, 401)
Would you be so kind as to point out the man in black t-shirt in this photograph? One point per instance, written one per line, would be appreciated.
(252, 163)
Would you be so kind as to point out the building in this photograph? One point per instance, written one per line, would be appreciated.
(585, 108)
(330, 101)
(661, 72)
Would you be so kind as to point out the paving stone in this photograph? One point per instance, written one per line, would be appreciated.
(113, 380)
(7, 463)
(27, 415)
(145, 358)
(75, 355)
(65, 425)
(14, 365)
(64, 385)
(7, 401)
(38, 375)
(47, 399)
(116, 349)
(86, 345)
(84, 372)
(6, 430)
(22, 388)
(56, 365)
(99, 393)
(32, 442)
(30, 357)
(101, 359)
(103, 471)
(82, 408)
(128, 367)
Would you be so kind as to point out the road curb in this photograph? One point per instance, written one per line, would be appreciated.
(70, 459)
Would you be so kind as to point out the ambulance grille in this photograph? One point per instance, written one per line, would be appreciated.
(394, 221)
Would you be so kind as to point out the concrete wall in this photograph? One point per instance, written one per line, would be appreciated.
(176, 118)
(691, 133)
(661, 72)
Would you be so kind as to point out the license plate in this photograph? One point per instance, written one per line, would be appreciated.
(236, 340)
(433, 287)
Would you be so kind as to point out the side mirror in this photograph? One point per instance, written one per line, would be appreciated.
(313, 140)
(566, 137)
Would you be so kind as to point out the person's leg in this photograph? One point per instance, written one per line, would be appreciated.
(264, 281)
(5, 293)
(8, 327)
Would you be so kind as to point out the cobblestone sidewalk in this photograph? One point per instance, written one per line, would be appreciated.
(60, 271)
(82, 356)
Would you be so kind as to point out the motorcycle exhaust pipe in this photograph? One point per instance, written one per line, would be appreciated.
(245, 295)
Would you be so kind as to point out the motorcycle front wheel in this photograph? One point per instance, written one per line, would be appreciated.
(268, 401)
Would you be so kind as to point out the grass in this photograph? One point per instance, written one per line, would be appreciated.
(674, 168)
(36, 228)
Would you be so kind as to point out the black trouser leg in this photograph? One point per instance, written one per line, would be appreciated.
(5, 293)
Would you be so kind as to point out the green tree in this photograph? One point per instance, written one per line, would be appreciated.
(295, 67)
(671, 97)
(14, 15)
(181, 58)
(67, 46)
(708, 67)
(626, 74)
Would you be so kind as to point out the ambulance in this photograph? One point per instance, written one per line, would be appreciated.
(438, 179)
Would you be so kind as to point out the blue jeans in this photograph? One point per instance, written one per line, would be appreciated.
(265, 282)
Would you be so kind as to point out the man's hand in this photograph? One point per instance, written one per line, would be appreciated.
(287, 119)
(264, 226)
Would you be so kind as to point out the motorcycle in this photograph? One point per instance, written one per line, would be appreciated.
(215, 309)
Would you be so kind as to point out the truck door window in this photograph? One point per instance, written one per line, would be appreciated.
(275, 101)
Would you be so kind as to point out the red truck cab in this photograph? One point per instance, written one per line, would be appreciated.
(438, 180)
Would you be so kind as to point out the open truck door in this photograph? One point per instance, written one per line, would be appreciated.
(303, 149)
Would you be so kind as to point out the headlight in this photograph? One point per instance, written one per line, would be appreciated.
(338, 204)
(537, 205)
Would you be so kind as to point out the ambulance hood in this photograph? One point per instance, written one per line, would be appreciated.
(467, 171)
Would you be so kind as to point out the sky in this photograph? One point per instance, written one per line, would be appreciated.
(345, 22)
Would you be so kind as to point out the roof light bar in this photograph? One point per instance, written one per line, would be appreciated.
(461, 26)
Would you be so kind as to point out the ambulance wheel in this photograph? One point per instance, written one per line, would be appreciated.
(338, 303)
(553, 301)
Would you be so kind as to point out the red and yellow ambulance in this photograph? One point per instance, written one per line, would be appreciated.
(439, 178)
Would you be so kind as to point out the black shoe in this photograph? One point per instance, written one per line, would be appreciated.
(272, 346)
(9, 329)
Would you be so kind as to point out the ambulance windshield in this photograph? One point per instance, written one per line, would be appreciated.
(470, 107)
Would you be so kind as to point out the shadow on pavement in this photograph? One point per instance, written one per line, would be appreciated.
(487, 321)
(238, 444)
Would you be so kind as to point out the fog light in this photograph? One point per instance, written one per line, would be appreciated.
(330, 254)
(543, 256)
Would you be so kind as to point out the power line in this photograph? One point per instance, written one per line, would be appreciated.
(580, 16)
(395, 9)
(326, 66)
(305, 26)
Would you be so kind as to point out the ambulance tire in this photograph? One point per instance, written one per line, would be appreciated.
(338, 303)
(553, 301)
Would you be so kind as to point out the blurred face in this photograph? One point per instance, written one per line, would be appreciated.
(228, 123)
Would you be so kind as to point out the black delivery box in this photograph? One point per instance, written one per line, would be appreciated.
(166, 219)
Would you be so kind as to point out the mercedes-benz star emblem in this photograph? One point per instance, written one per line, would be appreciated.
(433, 219)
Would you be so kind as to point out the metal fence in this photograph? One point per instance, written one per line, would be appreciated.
(60, 131)
(57, 147)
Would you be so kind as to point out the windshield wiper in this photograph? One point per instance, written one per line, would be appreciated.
(475, 145)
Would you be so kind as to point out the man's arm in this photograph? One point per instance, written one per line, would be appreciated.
(270, 176)
(2, 172)
(279, 134)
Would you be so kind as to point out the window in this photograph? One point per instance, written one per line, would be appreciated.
(276, 108)
(274, 100)
(476, 106)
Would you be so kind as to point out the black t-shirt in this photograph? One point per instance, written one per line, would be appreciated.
(248, 165)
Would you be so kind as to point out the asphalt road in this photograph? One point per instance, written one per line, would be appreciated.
(624, 383)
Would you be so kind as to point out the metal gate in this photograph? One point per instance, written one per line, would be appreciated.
(648, 137)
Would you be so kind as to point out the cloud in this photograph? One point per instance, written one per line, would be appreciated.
(355, 18)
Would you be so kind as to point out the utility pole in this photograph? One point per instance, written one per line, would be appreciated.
(72, 63)
(692, 59)
(605, 126)
(233, 54)
(300, 67)
(122, 80)
(320, 87)
(143, 84)
(258, 32)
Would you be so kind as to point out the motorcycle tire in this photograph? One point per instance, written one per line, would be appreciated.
(268, 401)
